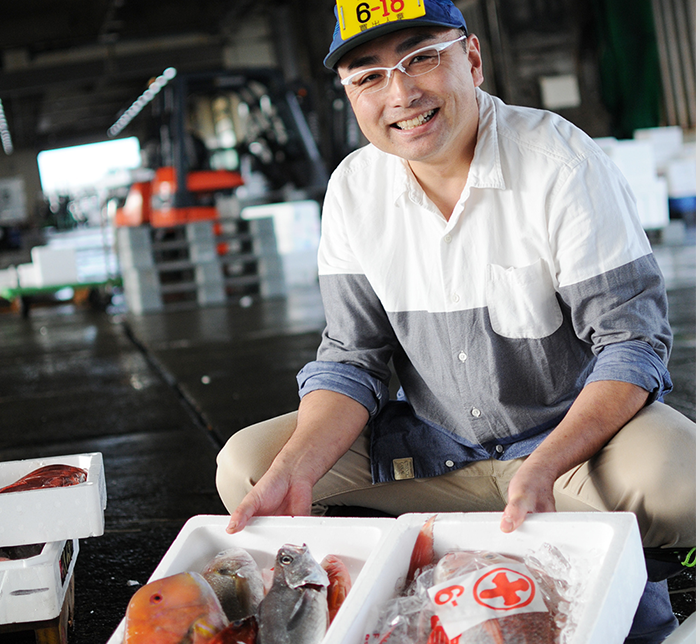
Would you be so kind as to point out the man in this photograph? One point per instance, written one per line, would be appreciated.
(493, 254)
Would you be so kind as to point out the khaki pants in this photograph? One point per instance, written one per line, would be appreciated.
(648, 468)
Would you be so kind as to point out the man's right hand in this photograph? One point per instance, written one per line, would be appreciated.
(273, 495)
(327, 425)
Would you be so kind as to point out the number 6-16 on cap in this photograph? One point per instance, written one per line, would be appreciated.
(355, 16)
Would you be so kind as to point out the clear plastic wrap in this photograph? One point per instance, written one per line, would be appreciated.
(480, 597)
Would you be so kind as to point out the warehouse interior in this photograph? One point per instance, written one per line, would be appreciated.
(153, 304)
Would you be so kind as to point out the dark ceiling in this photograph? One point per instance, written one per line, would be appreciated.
(68, 68)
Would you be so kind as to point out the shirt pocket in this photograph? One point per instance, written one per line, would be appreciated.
(522, 302)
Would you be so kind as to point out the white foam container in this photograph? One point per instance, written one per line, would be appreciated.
(608, 544)
(355, 540)
(33, 589)
(52, 514)
(686, 633)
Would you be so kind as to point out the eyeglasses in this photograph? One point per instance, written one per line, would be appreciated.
(418, 62)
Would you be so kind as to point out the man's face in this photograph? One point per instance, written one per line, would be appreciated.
(424, 119)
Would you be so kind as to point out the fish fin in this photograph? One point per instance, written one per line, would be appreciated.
(303, 607)
(423, 553)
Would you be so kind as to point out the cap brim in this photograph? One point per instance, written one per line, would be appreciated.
(334, 57)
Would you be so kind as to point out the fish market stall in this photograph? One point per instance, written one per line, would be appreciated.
(46, 506)
(588, 568)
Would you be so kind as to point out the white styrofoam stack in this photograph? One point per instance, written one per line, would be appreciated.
(637, 161)
(52, 514)
(55, 266)
(355, 541)
(33, 589)
(606, 545)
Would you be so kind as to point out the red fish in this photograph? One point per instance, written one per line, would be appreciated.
(242, 631)
(180, 609)
(339, 583)
(529, 628)
(422, 554)
(48, 476)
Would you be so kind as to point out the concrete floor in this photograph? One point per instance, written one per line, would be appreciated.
(158, 394)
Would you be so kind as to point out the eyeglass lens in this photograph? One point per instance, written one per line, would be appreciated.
(415, 64)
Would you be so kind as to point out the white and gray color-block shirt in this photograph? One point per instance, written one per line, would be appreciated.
(541, 281)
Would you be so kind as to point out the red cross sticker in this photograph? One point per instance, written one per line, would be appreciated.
(504, 589)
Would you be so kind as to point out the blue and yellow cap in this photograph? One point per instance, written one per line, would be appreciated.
(359, 21)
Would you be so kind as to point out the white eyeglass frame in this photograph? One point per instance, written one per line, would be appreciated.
(439, 47)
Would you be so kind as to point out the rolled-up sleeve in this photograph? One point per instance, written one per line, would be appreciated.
(634, 362)
(345, 379)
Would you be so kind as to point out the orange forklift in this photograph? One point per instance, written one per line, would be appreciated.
(276, 140)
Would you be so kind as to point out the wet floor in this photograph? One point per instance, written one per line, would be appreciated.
(158, 394)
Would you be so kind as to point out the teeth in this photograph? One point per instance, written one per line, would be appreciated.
(419, 120)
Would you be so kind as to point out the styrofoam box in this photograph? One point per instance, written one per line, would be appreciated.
(55, 265)
(355, 540)
(33, 589)
(53, 514)
(607, 543)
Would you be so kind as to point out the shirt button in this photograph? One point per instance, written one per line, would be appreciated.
(448, 238)
(455, 298)
(499, 449)
(462, 356)
(449, 463)
(477, 413)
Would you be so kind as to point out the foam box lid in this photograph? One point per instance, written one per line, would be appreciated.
(355, 540)
(608, 543)
(52, 514)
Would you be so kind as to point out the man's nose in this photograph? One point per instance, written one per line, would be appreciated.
(402, 88)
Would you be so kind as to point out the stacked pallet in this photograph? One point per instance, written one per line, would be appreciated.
(249, 257)
(199, 264)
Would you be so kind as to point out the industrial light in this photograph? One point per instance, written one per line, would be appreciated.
(143, 100)
(5, 138)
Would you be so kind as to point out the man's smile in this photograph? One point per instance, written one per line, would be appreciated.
(415, 122)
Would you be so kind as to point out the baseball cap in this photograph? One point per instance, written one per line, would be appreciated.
(358, 22)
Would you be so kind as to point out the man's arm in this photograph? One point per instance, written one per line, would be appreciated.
(598, 413)
(328, 424)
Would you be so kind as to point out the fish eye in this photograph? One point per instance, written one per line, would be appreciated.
(285, 560)
(156, 598)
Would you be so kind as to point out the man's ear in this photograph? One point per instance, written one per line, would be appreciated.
(474, 55)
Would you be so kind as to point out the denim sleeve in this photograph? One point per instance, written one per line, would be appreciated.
(345, 379)
(634, 362)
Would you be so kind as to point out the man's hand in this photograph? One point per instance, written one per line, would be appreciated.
(598, 413)
(529, 491)
(274, 495)
(327, 425)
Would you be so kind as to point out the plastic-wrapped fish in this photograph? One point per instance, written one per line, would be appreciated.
(295, 610)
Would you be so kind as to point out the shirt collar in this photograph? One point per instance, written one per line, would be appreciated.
(485, 170)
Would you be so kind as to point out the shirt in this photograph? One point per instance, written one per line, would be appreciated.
(541, 281)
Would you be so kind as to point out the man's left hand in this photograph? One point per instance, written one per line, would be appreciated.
(529, 491)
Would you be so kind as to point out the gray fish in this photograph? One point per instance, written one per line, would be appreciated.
(237, 582)
(295, 610)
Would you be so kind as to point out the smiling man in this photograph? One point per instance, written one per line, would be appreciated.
(494, 256)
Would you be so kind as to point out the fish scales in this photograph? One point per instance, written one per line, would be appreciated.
(295, 610)
(237, 581)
